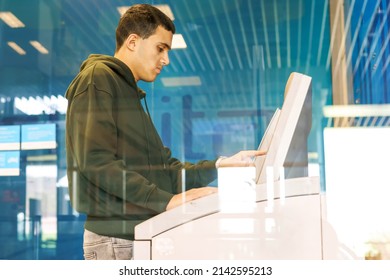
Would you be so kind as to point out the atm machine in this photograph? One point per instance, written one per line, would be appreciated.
(288, 226)
(270, 211)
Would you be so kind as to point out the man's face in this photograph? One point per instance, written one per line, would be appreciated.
(151, 55)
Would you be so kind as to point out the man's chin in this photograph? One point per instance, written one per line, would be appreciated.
(149, 79)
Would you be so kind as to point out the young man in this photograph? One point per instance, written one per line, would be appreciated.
(119, 172)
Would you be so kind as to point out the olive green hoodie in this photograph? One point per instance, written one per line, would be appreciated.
(119, 172)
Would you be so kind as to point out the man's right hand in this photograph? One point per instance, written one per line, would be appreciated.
(189, 195)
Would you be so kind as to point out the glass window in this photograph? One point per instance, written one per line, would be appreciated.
(229, 66)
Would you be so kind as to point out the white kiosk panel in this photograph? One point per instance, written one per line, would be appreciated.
(286, 227)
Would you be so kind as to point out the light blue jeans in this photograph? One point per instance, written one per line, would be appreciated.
(100, 247)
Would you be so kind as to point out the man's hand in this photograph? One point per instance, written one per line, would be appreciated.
(189, 195)
(241, 159)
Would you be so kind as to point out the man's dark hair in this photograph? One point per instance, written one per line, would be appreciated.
(143, 20)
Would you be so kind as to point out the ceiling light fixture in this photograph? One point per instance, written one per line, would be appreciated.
(16, 48)
(11, 20)
(178, 42)
(181, 81)
(166, 10)
(39, 47)
(122, 9)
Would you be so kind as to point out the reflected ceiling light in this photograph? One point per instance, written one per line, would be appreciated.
(28, 106)
(163, 8)
(181, 81)
(122, 9)
(11, 20)
(369, 110)
(16, 48)
(62, 104)
(39, 47)
(42, 105)
(178, 42)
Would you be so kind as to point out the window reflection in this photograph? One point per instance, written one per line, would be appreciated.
(237, 59)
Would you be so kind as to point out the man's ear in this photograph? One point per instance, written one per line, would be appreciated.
(132, 41)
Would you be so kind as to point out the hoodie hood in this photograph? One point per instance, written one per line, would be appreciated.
(105, 61)
(112, 62)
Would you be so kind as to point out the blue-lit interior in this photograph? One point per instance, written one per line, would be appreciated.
(240, 52)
